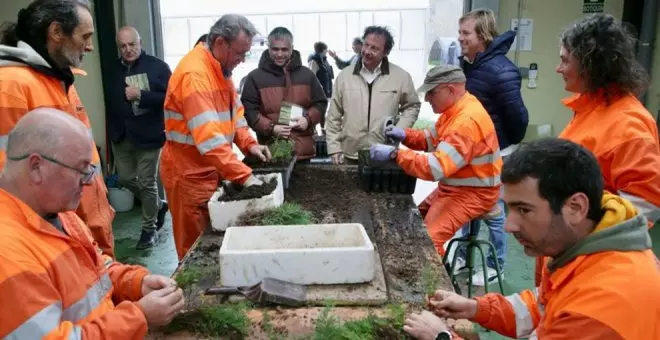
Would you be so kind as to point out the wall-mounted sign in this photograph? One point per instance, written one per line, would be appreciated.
(593, 6)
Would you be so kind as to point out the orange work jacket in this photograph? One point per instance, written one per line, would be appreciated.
(606, 287)
(22, 88)
(203, 118)
(59, 286)
(624, 138)
(462, 152)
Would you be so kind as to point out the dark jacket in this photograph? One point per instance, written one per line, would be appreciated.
(269, 85)
(324, 73)
(495, 81)
(141, 124)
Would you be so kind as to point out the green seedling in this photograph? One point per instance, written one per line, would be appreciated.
(430, 280)
(224, 320)
(287, 214)
(186, 277)
(329, 326)
(281, 150)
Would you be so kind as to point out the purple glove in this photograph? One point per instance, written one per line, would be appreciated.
(381, 152)
(395, 133)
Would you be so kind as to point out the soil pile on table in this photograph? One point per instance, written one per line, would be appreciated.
(256, 191)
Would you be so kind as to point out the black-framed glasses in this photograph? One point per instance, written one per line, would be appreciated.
(85, 176)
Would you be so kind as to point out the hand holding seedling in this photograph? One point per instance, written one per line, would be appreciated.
(424, 325)
(161, 306)
(282, 131)
(261, 152)
(155, 282)
(451, 305)
(300, 123)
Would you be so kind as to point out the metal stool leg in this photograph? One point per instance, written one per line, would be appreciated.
(469, 257)
(450, 267)
(493, 252)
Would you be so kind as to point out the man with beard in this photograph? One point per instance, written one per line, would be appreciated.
(368, 95)
(203, 119)
(282, 79)
(37, 55)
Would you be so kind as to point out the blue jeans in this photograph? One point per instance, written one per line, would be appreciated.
(496, 235)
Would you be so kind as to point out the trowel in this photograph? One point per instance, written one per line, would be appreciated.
(268, 291)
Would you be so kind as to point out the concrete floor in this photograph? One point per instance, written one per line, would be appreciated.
(518, 271)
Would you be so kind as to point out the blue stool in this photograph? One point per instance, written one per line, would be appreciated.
(471, 242)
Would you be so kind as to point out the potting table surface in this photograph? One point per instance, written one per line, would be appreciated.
(332, 194)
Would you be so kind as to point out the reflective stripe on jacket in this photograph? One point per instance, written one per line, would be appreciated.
(461, 149)
(605, 287)
(22, 88)
(624, 138)
(59, 286)
(203, 117)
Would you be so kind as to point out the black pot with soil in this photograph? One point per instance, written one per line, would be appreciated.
(383, 176)
(283, 160)
(321, 146)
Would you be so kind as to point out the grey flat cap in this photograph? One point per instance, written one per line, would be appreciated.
(442, 74)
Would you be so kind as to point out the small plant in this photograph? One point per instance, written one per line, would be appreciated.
(287, 214)
(429, 280)
(281, 150)
(397, 315)
(330, 327)
(223, 320)
(421, 124)
(186, 277)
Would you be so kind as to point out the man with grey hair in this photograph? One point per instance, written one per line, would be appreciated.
(203, 119)
(59, 283)
(136, 127)
(38, 57)
(282, 80)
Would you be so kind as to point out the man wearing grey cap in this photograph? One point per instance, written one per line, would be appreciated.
(461, 153)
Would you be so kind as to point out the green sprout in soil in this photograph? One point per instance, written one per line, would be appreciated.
(188, 276)
(287, 214)
(223, 320)
(421, 124)
(281, 150)
(429, 280)
(330, 327)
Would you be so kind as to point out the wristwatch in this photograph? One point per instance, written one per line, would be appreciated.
(443, 335)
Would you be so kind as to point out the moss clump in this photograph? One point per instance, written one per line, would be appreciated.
(224, 320)
(330, 327)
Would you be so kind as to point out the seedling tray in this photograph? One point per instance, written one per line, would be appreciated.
(383, 176)
(285, 169)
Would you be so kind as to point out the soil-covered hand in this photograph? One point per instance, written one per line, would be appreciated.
(424, 325)
(337, 158)
(282, 131)
(451, 305)
(261, 152)
(155, 282)
(253, 181)
(161, 306)
(300, 123)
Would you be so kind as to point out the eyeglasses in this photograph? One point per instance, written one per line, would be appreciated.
(85, 176)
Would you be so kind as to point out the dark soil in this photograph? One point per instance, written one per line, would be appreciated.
(255, 191)
(256, 163)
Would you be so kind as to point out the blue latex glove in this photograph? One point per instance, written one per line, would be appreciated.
(395, 133)
(381, 152)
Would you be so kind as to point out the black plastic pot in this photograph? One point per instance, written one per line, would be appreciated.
(265, 168)
(383, 176)
(321, 147)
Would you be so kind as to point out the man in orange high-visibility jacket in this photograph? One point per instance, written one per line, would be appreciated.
(608, 118)
(462, 154)
(54, 281)
(600, 277)
(203, 118)
(33, 76)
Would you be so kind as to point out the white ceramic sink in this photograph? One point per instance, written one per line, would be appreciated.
(307, 254)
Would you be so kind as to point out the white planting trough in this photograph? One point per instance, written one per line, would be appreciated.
(307, 254)
(224, 214)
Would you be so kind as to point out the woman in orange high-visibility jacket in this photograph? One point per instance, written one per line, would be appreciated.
(203, 117)
(462, 154)
(27, 81)
(56, 286)
(598, 64)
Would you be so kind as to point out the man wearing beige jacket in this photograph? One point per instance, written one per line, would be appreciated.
(365, 96)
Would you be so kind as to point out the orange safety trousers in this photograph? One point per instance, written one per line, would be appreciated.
(447, 209)
(188, 193)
